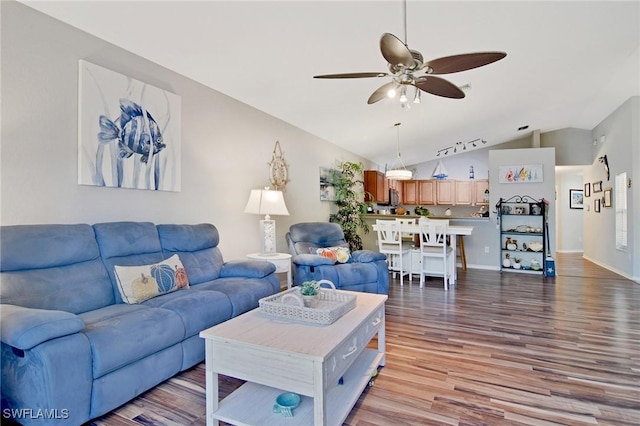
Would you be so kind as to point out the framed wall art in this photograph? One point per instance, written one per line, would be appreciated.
(327, 178)
(521, 174)
(587, 189)
(607, 197)
(129, 132)
(576, 199)
(597, 186)
(596, 205)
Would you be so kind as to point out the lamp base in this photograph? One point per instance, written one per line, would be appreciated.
(268, 241)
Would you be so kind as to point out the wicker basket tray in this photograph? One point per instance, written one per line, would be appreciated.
(331, 305)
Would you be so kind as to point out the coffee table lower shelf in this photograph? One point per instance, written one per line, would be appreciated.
(252, 404)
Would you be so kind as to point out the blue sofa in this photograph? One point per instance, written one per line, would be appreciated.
(365, 270)
(72, 350)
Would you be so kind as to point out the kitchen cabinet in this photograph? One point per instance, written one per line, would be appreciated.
(446, 192)
(464, 192)
(426, 192)
(418, 192)
(479, 188)
(376, 185)
(410, 192)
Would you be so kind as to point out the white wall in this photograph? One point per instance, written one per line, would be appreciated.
(569, 222)
(621, 144)
(226, 145)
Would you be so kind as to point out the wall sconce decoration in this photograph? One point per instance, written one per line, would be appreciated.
(278, 173)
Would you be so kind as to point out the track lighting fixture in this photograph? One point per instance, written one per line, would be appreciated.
(473, 143)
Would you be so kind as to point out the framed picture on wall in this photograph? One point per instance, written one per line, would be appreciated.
(596, 205)
(587, 189)
(607, 197)
(576, 199)
(597, 186)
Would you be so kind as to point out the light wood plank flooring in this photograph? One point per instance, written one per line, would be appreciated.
(498, 349)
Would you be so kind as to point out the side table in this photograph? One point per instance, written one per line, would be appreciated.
(282, 261)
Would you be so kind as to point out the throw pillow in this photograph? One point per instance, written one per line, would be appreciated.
(338, 254)
(139, 283)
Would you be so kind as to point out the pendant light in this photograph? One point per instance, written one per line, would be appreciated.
(398, 171)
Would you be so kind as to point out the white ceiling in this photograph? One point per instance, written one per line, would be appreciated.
(568, 64)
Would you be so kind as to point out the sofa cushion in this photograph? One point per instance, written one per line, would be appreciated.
(197, 309)
(197, 246)
(121, 334)
(139, 283)
(55, 267)
(243, 293)
(127, 244)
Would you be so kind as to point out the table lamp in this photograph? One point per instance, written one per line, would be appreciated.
(267, 202)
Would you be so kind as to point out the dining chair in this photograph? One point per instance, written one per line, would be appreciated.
(390, 243)
(435, 253)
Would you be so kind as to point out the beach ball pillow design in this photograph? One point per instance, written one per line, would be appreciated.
(139, 283)
(337, 254)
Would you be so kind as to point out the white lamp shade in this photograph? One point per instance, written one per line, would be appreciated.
(267, 202)
(399, 174)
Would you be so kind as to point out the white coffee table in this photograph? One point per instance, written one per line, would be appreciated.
(282, 261)
(275, 355)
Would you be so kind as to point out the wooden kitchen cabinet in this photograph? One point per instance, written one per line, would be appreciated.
(446, 192)
(464, 192)
(426, 192)
(410, 192)
(376, 185)
(479, 187)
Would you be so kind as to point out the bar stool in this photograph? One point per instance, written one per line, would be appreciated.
(460, 252)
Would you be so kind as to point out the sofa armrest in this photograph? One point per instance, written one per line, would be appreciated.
(247, 269)
(366, 256)
(24, 328)
(312, 260)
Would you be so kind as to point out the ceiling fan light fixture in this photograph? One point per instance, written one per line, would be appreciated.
(416, 98)
(403, 95)
(391, 93)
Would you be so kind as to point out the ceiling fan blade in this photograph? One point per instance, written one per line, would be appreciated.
(395, 51)
(467, 61)
(439, 86)
(353, 75)
(381, 92)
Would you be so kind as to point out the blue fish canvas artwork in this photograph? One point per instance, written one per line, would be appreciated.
(129, 132)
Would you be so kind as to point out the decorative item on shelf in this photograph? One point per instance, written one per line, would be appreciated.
(486, 195)
(516, 263)
(310, 290)
(471, 172)
(506, 262)
(267, 202)
(398, 171)
(447, 212)
(535, 265)
(278, 169)
(286, 403)
(512, 244)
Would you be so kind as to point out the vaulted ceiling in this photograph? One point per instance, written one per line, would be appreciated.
(568, 64)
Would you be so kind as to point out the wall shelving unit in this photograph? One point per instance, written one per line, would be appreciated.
(523, 234)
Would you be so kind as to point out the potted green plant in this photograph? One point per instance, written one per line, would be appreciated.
(348, 186)
(310, 290)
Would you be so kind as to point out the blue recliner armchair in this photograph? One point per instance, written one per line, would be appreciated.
(365, 270)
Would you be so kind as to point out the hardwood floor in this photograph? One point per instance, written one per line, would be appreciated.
(497, 349)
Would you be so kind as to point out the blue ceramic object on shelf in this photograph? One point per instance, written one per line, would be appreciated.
(285, 403)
